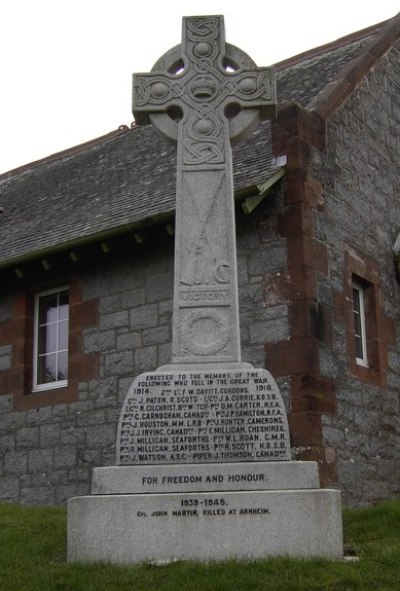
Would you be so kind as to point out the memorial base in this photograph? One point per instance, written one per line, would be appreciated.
(255, 520)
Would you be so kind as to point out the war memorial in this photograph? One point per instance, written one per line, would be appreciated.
(203, 468)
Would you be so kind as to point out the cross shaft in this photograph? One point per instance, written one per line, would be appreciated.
(204, 95)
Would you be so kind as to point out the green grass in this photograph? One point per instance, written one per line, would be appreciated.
(33, 558)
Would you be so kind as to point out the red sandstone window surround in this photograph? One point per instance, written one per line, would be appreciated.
(360, 308)
(18, 379)
(360, 333)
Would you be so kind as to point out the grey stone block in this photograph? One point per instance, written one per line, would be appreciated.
(38, 495)
(82, 475)
(72, 435)
(145, 359)
(39, 416)
(159, 287)
(112, 415)
(141, 528)
(333, 437)
(49, 435)
(189, 478)
(269, 331)
(164, 354)
(114, 320)
(49, 477)
(92, 457)
(101, 436)
(9, 489)
(328, 364)
(267, 258)
(6, 403)
(156, 336)
(118, 364)
(11, 422)
(109, 401)
(66, 491)
(60, 411)
(99, 341)
(7, 443)
(165, 308)
(27, 438)
(40, 459)
(15, 463)
(129, 340)
(110, 304)
(95, 417)
(133, 298)
(76, 408)
(64, 456)
(144, 317)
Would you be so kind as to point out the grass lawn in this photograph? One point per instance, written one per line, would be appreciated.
(33, 558)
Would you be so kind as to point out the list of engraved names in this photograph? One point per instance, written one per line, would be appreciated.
(203, 417)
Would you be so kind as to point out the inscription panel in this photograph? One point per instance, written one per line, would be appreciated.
(203, 416)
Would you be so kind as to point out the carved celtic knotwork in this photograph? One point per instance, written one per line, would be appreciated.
(203, 27)
(204, 142)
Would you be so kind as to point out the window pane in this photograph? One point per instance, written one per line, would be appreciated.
(63, 366)
(47, 368)
(52, 338)
(47, 342)
(48, 311)
(359, 348)
(63, 335)
(357, 324)
(356, 300)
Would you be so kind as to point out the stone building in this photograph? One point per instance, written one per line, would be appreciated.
(86, 279)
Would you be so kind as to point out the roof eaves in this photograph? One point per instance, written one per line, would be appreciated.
(129, 226)
(327, 47)
(338, 90)
(64, 153)
(82, 241)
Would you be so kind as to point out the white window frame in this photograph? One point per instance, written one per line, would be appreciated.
(50, 385)
(361, 313)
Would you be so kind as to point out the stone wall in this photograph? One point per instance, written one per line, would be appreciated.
(359, 223)
(122, 306)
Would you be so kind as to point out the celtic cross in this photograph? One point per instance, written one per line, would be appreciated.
(204, 94)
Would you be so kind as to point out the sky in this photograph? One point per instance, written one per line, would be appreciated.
(66, 65)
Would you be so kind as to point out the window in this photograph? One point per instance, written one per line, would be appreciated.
(359, 324)
(50, 347)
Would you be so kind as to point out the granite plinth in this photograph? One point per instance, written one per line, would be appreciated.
(205, 526)
(184, 478)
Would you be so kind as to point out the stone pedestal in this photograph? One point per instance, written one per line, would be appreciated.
(204, 473)
(205, 512)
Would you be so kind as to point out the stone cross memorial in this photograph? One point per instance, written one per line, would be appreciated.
(204, 468)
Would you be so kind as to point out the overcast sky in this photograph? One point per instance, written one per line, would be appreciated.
(66, 65)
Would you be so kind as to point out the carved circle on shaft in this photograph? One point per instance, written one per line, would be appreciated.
(203, 126)
(159, 90)
(248, 85)
(202, 49)
(205, 332)
(238, 126)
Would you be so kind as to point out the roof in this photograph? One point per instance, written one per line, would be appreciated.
(127, 178)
